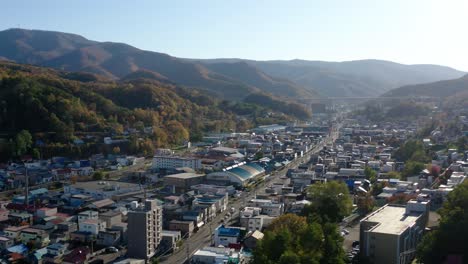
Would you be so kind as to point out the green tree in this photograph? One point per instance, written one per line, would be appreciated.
(290, 239)
(412, 168)
(36, 153)
(462, 144)
(451, 238)
(370, 174)
(408, 149)
(330, 200)
(98, 175)
(333, 252)
(394, 175)
(22, 143)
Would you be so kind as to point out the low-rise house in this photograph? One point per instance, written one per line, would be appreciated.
(32, 235)
(218, 202)
(169, 240)
(6, 242)
(37, 257)
(54, 253)
(85, 215)
(268, 207)
(196, 216)
(102, 205)
(297, 206)
(94, 226)
(111, 217)
(252, 238)
(252, 219)
(224, 236)
(56, 249)
(108, 238)
(13, 232)
(45, 212)
(185, 227)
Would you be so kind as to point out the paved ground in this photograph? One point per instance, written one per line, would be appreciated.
(352, 236)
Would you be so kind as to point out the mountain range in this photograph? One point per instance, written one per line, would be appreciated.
(361, 78)
(232, 79)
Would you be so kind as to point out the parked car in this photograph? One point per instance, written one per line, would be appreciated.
(111, 250)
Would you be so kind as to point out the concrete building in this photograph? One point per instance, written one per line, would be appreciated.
(85, 215)
(39, 237)
(185, 227)
(172, 162)
(111, 217)
(6, 242)
(183, 181)
(102, 189)
(224, 236)
(391, 234)
(252, 220)
(215, 255)
(169, 239)
(93, 226)
(144, 230)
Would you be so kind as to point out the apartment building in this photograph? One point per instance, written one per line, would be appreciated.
(392, 233)
(144, 230)
(172, 162)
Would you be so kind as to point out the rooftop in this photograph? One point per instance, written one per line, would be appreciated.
(186, 175)
(392, 219)
(225, 150)
(226, 231)
(103, 203)
(104, 185)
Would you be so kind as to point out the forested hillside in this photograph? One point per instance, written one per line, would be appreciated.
(57, 106)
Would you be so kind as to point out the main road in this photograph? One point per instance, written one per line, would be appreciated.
(204, 235)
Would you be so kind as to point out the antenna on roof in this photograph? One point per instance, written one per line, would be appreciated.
(144, 190)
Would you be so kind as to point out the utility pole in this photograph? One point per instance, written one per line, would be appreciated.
(26, 196)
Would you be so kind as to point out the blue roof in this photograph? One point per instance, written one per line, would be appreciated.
(230, 232)
(256, 166)
(39, 191)
(18, 249)
(39, 253)
(241, 173)
(56, 246)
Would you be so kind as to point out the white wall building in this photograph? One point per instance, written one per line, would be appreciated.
(172, 162)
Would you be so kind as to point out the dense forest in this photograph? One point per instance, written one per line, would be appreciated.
(58, 107)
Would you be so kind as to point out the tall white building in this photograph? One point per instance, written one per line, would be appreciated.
(144, 230)
(172, 162)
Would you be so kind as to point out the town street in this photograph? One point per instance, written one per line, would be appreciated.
(203, 237)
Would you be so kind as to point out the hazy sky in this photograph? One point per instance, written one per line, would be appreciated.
(406, 31)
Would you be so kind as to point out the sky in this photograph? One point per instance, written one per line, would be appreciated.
(405, 31)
